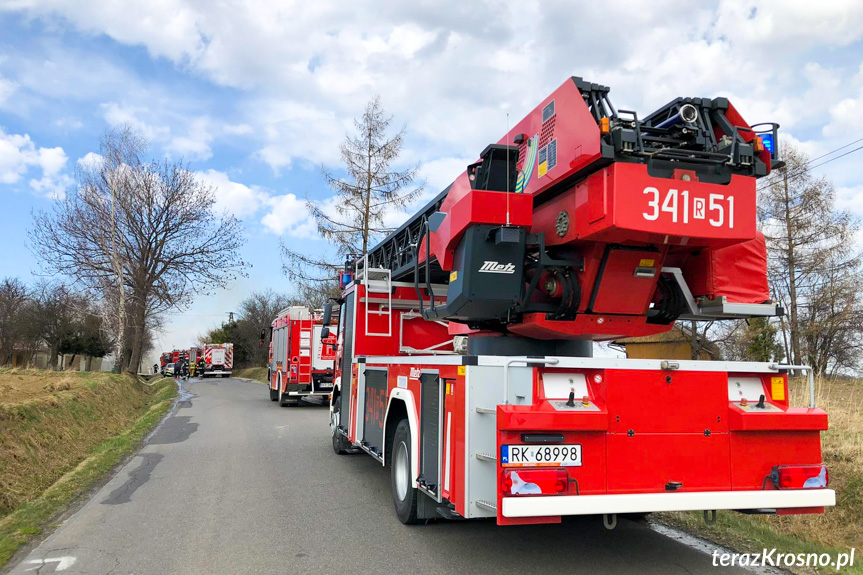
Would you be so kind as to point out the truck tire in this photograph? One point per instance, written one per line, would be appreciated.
(404, 493)
(274, 393)
(341, 446)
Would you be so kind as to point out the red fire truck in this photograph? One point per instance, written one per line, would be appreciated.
(218, 360)
(164, 360)
(464, 353)
(301, 360)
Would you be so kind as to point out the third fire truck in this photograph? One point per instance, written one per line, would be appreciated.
(301, 360)
(465, 337)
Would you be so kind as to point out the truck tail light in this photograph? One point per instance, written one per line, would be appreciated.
(800, 476)
(534, 481)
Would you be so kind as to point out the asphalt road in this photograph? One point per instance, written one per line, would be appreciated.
(233, 484)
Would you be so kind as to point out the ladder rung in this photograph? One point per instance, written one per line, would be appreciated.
(485, 457)
(486, 410)
(486, 505)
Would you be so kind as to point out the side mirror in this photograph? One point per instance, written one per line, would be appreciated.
(325, 333)
(328, 315)
(263, 335)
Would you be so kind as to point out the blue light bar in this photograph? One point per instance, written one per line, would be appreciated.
(767, 138)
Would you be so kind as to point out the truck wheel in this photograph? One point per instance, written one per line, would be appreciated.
(340, 442)
(275, 393)
(404, 493)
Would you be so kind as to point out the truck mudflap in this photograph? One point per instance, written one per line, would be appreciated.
(555, 506)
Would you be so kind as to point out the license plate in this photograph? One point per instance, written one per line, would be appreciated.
(540, 455)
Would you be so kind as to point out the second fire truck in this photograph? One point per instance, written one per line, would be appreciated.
(301, 361)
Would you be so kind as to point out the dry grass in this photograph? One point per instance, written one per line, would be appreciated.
(21, 385)
(255, 373)
(51, 421)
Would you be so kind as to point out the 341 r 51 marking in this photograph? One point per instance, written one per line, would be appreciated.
(677, 203)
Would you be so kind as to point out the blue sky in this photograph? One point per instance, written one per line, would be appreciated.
(255, 95)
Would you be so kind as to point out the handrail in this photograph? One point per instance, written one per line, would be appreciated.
(808, 370)
(527, 361)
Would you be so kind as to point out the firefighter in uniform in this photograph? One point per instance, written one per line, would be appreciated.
(199, 369)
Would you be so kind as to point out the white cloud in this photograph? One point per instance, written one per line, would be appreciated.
(288, 215)
(237, 129)
(195, 145)
(116, 115)
(851, 199)
(52, 187)
(440, 173)
(19, 154)
(7, 88)
(233, 197)
(90, 159)
(292, 130)
(69, 123)
(296, 78)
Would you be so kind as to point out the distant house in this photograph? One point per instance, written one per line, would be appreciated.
(24, 358)
(673, 344)
(38, 358)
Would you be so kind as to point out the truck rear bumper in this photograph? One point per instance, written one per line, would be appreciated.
(550, 506)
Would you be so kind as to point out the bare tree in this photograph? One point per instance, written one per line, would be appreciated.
(810, 256)
(157, 223)
(57, 313)
(831, 320)
(13, 300)
(256, 313)
(371, 190)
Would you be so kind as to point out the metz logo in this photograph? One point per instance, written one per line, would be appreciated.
(491, 267)
(415, 373)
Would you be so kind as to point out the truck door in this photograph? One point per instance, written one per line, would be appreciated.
(346, 324)
(430, 429)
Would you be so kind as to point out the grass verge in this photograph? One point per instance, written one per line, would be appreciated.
(839, 529)
(34, 511)
(255, 373)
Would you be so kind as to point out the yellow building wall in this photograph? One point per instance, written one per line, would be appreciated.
(662, 350)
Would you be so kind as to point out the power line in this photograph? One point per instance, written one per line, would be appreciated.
(803, 169)
(839, 156)
(833, 152)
